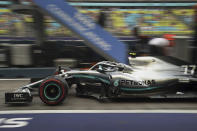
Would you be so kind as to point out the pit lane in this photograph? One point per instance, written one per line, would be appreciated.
(76, 103)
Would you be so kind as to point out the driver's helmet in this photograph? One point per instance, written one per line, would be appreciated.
(106, 68)
(100, 67)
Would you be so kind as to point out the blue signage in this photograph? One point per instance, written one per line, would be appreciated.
(94, 35)
(162, 4)
(99, 122)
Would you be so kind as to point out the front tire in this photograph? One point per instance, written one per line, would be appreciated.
(53, 90)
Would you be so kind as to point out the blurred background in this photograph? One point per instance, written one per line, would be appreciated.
(30, 41)
(154, 18)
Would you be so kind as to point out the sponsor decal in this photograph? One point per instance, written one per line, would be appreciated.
(116, 83)
(137, 83)
(129, 85)
(14, 122)
(18, 95)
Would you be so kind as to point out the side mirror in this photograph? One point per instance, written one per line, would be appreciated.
(59, 69)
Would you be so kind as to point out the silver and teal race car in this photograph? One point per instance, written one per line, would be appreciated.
(145, 77)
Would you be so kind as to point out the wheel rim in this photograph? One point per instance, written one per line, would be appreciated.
(52, 92)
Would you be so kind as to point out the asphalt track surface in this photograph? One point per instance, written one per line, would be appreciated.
(76, 103)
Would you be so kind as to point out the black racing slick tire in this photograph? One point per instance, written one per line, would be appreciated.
(53, 90)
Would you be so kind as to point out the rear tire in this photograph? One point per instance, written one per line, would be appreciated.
(53, 90)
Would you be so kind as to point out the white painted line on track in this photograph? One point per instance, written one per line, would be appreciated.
(96, 111)
(18, 79)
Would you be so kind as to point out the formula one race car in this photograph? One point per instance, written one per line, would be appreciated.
(145, 77)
